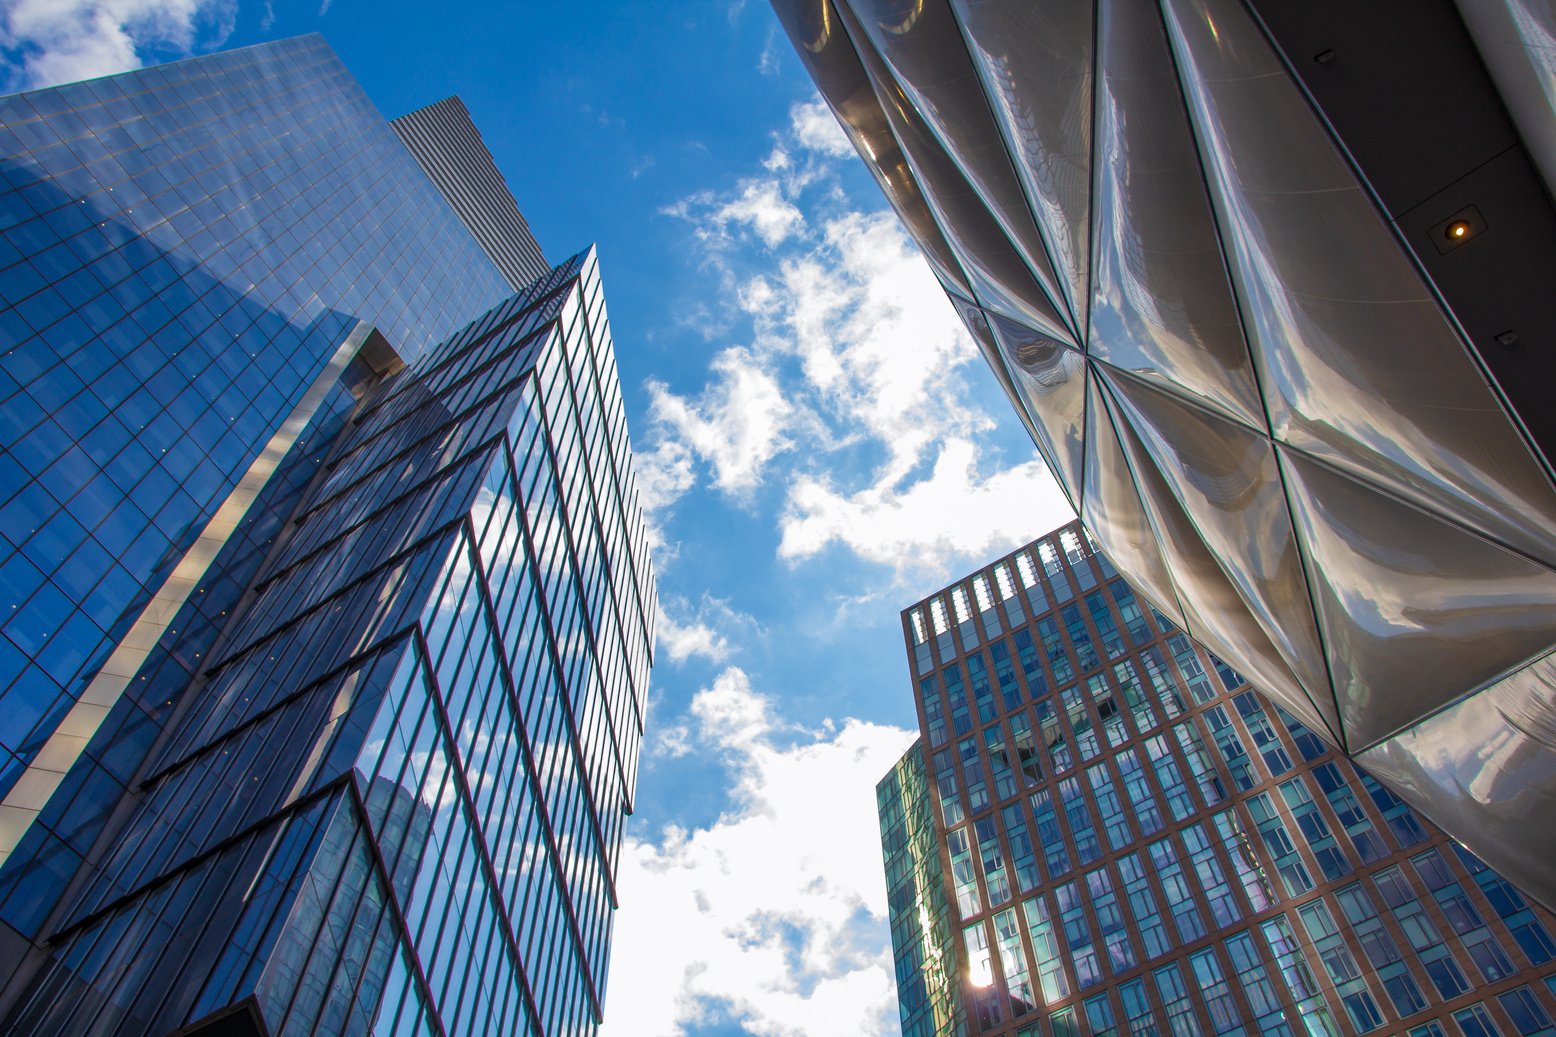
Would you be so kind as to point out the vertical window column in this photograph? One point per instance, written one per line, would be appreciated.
(1142, 800)
(1137, 1009)
(1212, 879)
(1107, 627)
(1293, 873)
(1110, 919)
(1026, 749)
(1341, 966)
(1078, 814)
(1051, 976)
(1331, 859)
(1023, 857)
(934, 711)
(1292, 965)
(992, 857)
(945, 781)
(956, 696)
(1211, 982)
(1005, 673)
(1114, 821)
(1175, 1000)
(1142, 904)
(1234, 839)
(984, 994)
(1254, 981)
(1013, 963)
(1369, 843)
(1511, 907)
(1077, 935)
(999, 763)
(983, 695)
(1180, 898)
(963, 881)
(1129, 610)
(1056, 857)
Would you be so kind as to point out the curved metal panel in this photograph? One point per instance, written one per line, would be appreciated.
(830, 58)
(923, 48)
(1211, 605)
(1052, 382)
(1359, 366)
(999, 276)
(1227, 481)
(1161, 303)
(1485, 769)
(1415, 611)
(1035, 62)
(1112, 511)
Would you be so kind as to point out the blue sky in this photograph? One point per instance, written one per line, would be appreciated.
(820, 443)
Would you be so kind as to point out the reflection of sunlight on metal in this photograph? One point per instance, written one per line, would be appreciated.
(818, 35)
(898, 21)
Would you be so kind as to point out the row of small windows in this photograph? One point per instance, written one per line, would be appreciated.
(933, 619)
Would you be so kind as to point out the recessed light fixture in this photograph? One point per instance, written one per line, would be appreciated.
(1458, 228)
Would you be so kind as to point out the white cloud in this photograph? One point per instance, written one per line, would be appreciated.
(682, 641)
(61, 41)
(773, 916)
(768, 63)
(762, 206)
(816, 128)
(701, 631)
(857, 353)
(757, 205)
(663, 472)
(737, 425)
(954, 514)
(874, 333)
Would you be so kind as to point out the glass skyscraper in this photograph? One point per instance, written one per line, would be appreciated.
(329, 610)
(1104, 830)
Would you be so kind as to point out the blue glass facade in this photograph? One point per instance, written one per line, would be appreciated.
(1133, 841)
(370, 770)
(184, 248)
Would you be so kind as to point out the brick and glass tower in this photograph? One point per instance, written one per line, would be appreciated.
(1105, 830)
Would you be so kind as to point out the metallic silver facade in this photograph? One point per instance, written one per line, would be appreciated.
(448, 147)
(1263, 409)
